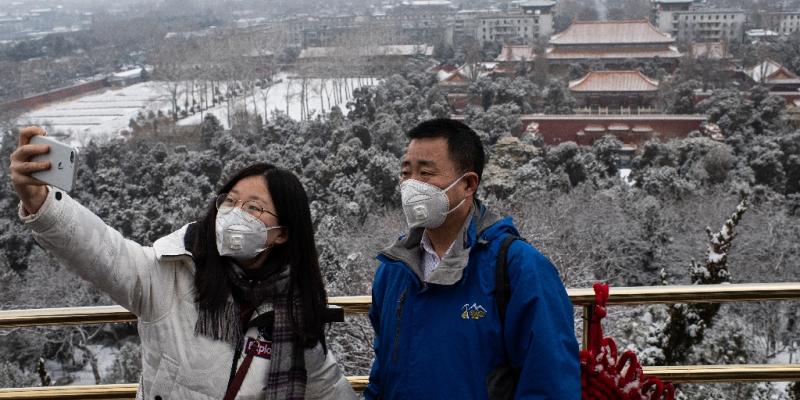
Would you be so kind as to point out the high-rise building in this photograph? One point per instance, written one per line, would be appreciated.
(783, 23)
(688, 20)
(529, 21)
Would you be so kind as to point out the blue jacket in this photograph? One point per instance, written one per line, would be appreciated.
(443, 339)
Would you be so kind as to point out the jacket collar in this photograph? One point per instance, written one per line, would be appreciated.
(451, 268)
(172, 245)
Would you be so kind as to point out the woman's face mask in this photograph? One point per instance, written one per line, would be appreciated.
(240, 235)
(425, 205)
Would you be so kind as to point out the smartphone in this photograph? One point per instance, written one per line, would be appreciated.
(63, 163)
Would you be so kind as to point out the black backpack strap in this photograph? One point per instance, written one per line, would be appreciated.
(502, 381)
(502, 286)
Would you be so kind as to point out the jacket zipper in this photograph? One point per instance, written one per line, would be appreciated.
(399, 313)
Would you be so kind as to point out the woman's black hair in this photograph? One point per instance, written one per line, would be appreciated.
(299, 251)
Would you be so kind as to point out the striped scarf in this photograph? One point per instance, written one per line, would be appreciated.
(287, 376)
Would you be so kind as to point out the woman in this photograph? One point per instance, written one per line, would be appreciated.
(232, 306)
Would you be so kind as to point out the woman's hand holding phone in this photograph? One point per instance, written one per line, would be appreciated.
(31, 191)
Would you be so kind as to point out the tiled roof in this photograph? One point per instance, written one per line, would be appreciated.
(710, 50)
(611, 32)
(611, 53)
(614, 81)
(515, 53)
(771, 72)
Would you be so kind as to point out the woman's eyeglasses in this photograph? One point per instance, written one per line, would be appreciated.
(226, 203)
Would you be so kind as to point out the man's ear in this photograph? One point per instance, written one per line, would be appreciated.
(472, 180)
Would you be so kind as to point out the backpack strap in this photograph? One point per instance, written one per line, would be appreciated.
(502, 382)
(502, 286)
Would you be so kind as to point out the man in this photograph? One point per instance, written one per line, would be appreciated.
(438, 332)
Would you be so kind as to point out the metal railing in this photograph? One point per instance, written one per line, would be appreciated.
(360, 304)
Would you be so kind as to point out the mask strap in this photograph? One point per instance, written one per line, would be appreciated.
(462, 200)
(454, 182)
(456, 207)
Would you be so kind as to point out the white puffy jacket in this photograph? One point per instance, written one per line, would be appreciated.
(157, 285)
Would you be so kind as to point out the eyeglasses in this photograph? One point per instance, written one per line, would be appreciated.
(226, 203)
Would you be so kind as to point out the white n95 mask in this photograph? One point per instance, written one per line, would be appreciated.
(425, 205)
(240, 235)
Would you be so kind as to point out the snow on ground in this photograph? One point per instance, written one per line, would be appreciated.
(322, 95)
(103, 115)
(105, 359)
(625, 173)
(99, 115)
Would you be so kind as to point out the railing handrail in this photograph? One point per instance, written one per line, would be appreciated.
(685, 374)
(722, 293)
(360, 304)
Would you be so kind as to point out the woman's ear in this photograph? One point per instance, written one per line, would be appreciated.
(283, 236)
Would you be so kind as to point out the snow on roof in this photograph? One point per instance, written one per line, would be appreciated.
(443, 74)
(512, 53)
(594, 128)
(611, 32)
(771, 71)
(711, 50)
(761, 33)
(128, 74)
(619, 127)
(614, 81)
(537, 3)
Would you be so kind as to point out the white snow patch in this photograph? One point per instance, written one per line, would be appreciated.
(624, 174)
(285, 96)
(104, 115)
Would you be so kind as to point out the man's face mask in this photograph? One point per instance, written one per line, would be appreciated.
(240, 235)
(425, 205)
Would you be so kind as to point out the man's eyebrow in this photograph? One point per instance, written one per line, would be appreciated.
(422, 163)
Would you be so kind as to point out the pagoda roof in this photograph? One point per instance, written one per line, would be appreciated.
(555, 53)
(771, 72)
(611, 32)
(614, 81)
(511, 53)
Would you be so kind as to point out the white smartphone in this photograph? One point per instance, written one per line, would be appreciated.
(63, 163)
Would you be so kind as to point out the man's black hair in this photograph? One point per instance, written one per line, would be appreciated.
(463, 144)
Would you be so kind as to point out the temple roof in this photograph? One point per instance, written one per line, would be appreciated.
(611, 32)
(614, 81)
(511, 53)
(668, 52)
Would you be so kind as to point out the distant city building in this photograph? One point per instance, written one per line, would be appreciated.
(782, 23)
(689, 21)
(422, 21)
(611, 42)
(527, 20)
(618, 92)
(422, 7)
